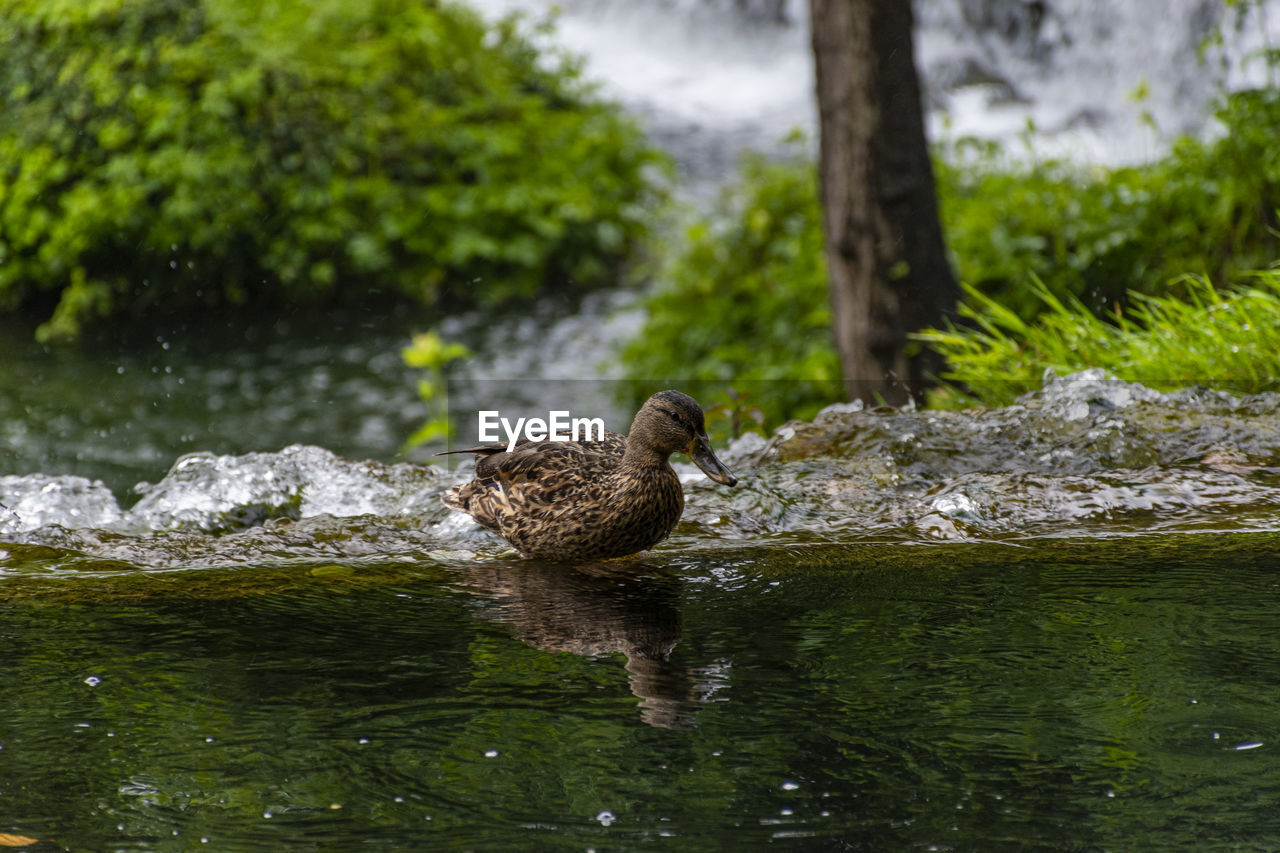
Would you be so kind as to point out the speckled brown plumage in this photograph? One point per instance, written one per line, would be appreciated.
(591, 499)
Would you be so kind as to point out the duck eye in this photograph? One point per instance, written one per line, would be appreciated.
(673, 415)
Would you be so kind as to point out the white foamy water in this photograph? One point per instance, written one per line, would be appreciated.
(1086, 455)
(711, 78)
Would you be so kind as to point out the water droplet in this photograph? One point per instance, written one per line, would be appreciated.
(786, 812)
(268, 815)
(93, 681)
(363, 740)
(790, 786)
(491, 753)
(606, 817)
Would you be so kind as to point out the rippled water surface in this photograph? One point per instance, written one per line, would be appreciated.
(1113, 694)
(1054, 625)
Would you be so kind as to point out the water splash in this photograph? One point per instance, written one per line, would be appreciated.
(710, 79)
(207, 492)
(31, 502)
(1086, 455)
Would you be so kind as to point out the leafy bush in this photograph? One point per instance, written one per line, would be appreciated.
(1229, 340)
(744, 299)
(1098, 235)
(173, 154)
(744, 296)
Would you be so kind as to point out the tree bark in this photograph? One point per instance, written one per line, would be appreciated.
(887, 265)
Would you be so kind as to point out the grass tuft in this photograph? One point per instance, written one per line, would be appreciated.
(1227, 339)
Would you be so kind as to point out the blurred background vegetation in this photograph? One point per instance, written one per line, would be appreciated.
(163, 158)
(1061, 264)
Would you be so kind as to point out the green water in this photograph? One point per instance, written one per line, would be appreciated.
(123, 412)
(1113, 695)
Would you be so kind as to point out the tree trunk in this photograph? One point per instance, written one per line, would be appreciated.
(887, 266)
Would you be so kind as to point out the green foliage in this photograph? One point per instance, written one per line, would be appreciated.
(745, 295)
(744, 298)
(736, 408)
(431, 353)
(1098, 235)
(176, 154)
(1229, 340)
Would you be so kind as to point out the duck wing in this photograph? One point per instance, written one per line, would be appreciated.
(534, 474)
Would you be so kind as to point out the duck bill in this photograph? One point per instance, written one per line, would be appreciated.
(701, 454)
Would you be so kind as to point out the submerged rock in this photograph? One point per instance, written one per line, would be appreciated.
(1079, 424)
(1085, 454)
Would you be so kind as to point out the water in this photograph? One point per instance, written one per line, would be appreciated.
(1052, 625)
(712, 78)
(1083, 455)
(1049, 625)
(709, 79)
(1071, 695)
(123, 411)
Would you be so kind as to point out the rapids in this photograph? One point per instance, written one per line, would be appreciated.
(1084, 456)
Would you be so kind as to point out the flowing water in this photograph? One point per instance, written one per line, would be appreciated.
(709, 78)
(122, 412)
(1101, 83)
(1052, 625)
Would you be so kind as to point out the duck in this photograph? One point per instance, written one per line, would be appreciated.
(604, 499)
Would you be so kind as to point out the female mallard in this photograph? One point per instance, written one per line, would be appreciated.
(591, 499)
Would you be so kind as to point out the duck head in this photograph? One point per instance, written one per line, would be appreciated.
(671, 422)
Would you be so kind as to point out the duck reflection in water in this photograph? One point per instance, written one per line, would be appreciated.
(597, 609)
